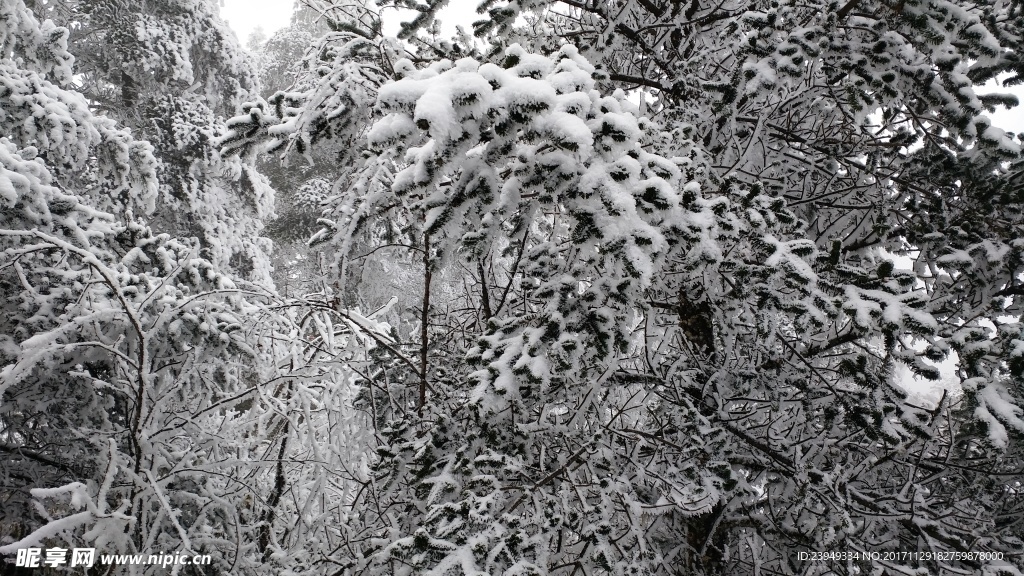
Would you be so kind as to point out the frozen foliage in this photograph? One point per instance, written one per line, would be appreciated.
(138, 382)
(675, 345)
(340, 69)
(530, 157)
(171, 71)
(608, 288)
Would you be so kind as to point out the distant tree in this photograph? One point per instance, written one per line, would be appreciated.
(294, 65)
(172, 72)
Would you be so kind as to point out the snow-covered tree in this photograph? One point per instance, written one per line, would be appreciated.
(720, 387)
(172, 72)
(624, 287)
(135, 380)
(332, 54)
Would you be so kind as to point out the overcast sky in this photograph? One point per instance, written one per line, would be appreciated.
(244, 16)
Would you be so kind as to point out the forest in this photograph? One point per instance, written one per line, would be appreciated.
(591, 287)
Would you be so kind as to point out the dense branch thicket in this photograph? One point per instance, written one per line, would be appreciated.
(623, 287)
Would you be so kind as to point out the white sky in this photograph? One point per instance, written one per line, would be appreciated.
(244, 16)
(1010, 120)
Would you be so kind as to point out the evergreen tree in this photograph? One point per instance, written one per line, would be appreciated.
(172, 71)
(626, 287)
(134, 373)
(715, 396)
